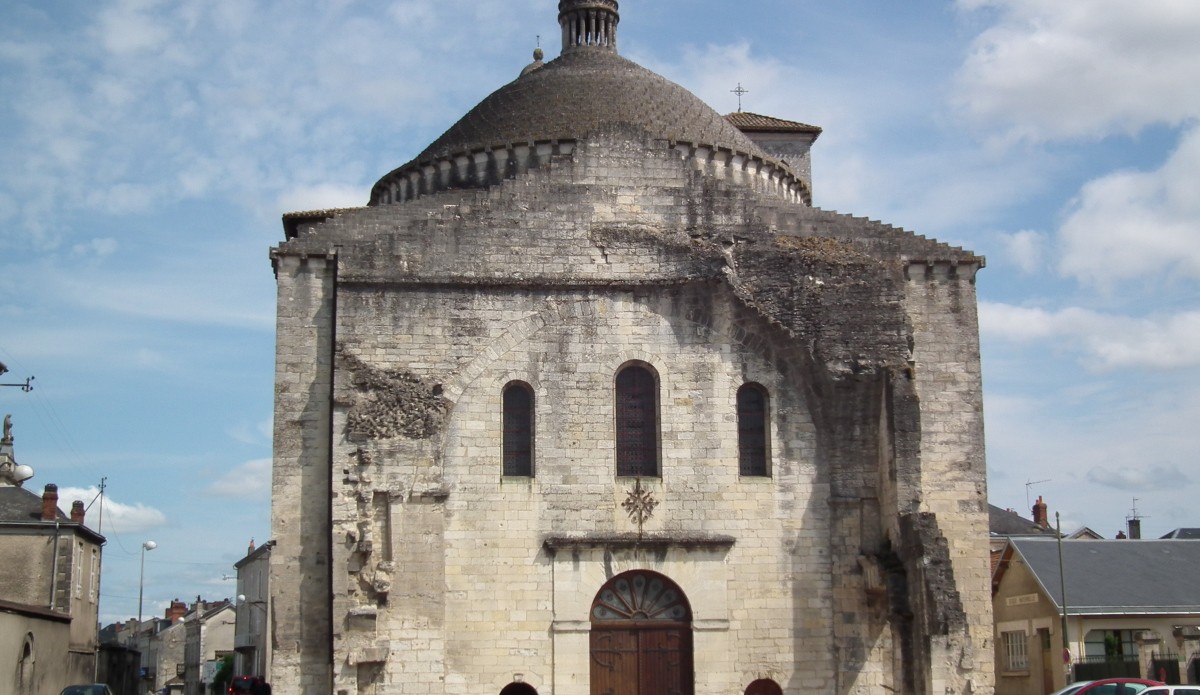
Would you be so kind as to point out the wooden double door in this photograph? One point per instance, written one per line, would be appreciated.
(641, 638)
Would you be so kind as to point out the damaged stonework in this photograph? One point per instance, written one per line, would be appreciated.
(847, 304)
(391, 403)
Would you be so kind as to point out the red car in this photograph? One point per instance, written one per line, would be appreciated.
(1116, 686)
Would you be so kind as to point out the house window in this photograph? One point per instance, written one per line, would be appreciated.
(518, 430)
(752, 430)
(1016, 654)
(637, 422)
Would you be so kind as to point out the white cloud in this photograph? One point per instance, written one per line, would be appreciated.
(1139, 478)
(129, 27)
(1050, 70)
(324, 196)
(96, 247)
(1134, 224)
(1025, 249)
(251, 480)
(1101, 341)
(117, 516)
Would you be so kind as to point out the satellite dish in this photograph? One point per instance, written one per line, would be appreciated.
(22, 473)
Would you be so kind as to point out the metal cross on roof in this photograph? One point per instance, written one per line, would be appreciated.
(740, 91)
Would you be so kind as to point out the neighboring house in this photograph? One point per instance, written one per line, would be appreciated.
(209, 636)
(1184, 534)
(251, 636)
(1005, 523)
(1133, 608)
(49, 585)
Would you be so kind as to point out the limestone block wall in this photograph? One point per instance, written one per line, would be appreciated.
(300, 474)
(941, 303)
(390, 373)
(512, 610)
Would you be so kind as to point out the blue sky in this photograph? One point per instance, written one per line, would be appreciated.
(148, 148)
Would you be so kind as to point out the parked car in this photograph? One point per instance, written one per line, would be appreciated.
(1172, 690)
(87, 689)
(1117, 686)
(249, 685)
(1072, 688)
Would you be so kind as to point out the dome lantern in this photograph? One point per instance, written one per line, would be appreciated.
(588, 23)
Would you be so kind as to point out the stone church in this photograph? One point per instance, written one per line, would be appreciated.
(590, 399)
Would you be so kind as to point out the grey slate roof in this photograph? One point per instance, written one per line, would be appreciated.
(1117, 576)
(576, 94)
(19, 504)
(1002, 522)
(1184, 533)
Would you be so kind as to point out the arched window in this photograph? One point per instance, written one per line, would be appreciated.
(518, 430)
(752, 430)
(637, 422)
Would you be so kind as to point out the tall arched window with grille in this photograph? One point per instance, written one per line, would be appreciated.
(752, 430)
(518, 430)
(637, 421)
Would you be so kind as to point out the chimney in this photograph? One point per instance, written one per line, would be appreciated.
(1135, 528)
(50, 502)
(1039, 513)
(1121, 535)
(176, 611)
(77, 511)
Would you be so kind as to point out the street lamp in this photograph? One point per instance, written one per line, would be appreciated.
(148, 545)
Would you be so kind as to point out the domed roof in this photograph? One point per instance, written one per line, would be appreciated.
(576, 94)
(589, 87)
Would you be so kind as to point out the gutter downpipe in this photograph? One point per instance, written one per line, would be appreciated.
(54, 570)
(1062, 578)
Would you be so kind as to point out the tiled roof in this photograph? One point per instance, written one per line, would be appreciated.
(744, 120)
(1110, 576)
(19, 504)
(1185, 533)
(580, 92)
(1002, 522)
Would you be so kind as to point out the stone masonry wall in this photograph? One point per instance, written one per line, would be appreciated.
(622, 251)
(300, 491)
(765, 615)
(953, 483)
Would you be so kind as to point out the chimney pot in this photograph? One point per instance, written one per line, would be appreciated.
(77, 511)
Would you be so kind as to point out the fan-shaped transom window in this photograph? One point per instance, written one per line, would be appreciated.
(637, 422)
(518, 429)
(640, 596)
(752, 430)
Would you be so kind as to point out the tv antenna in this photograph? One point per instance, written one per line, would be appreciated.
(1029, 484)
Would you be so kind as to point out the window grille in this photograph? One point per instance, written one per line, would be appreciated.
(1015, 651)
(752, 430)
(637, 422)
(518, 430)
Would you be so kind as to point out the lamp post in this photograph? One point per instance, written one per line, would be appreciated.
(148, 545)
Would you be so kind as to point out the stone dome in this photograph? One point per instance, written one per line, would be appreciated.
(580, 92)
(587, 88)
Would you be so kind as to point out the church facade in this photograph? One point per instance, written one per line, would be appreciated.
(590, 399)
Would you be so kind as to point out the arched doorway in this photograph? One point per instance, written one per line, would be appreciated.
(641, 637)
(764, 686)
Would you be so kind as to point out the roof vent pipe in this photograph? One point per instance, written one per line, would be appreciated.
(588, 23)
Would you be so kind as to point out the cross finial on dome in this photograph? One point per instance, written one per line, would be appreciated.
(588, 23)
